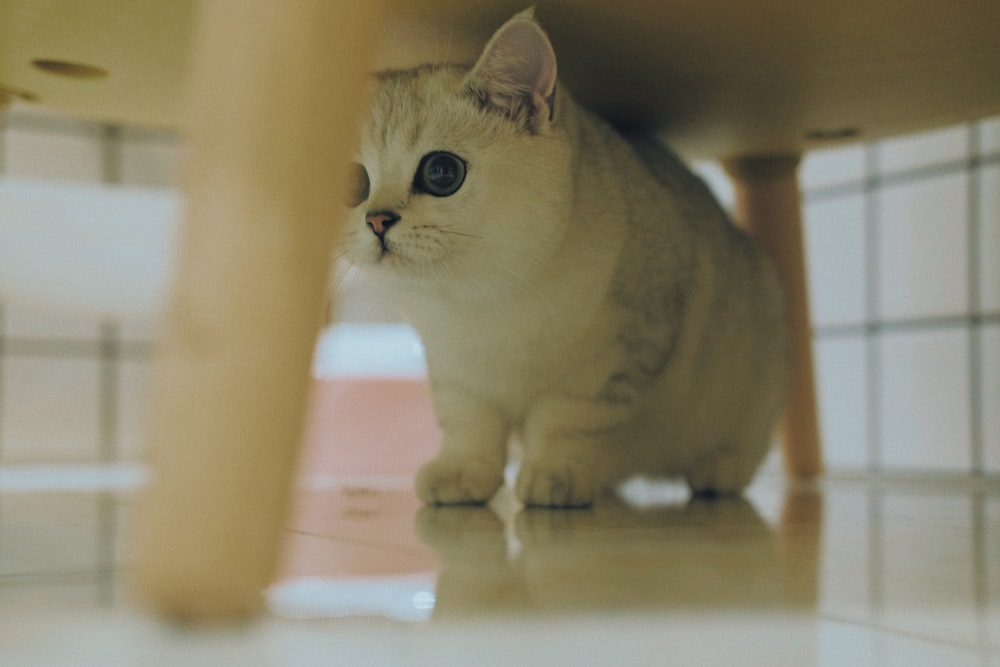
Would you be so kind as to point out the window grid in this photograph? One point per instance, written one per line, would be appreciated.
(105, 343)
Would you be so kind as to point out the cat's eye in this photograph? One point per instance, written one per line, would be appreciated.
(358, 185)
(440, 174)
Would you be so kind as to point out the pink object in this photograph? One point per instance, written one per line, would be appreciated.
(369, 425)
(370, 411)
(356, 531)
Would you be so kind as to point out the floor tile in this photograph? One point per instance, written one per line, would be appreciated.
(859, 572)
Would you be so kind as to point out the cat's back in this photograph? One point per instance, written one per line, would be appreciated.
(693, 197)
(685, 270)
(672, 210)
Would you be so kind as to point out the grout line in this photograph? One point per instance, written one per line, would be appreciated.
(72, 478)
(906, 325)
(974, 220)
(78, 348)
(912, 480)
(876, 553)
(150, 135)
(107, 541)
(940, 169)
(873, 374)
(4, 124)
(41, 347)
(840, 190)
(874, 181)
(3, 359)
(108, 392)
(4, 121)
(62, 578)
(980, 567)
(111, 154)
(67, 125)
(974, 335)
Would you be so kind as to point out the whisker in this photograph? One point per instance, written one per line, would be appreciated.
(445, 230)
(341, 272)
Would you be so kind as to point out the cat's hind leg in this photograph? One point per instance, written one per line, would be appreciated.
(726, 471)
(469, 468)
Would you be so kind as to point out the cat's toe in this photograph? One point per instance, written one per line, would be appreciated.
(457, 482)
(555, 484)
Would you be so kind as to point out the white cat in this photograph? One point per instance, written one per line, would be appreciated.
(579, 294)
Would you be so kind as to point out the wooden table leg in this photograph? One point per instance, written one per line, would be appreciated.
(274, 106)
(769, 207)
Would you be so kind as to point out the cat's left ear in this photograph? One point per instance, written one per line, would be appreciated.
(516, 74)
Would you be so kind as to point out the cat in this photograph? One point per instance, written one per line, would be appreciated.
(582, 298)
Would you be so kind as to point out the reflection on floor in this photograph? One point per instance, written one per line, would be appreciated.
(844, 573)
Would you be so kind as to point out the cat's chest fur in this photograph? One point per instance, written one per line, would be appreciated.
(535, 338)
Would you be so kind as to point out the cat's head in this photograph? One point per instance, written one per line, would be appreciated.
(461, 183)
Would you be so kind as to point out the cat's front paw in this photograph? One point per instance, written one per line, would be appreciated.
(454, 481)
(556, 484)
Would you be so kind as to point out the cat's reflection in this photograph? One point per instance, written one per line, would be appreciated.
(695, 555)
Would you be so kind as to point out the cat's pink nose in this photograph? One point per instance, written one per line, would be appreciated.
(381, 221)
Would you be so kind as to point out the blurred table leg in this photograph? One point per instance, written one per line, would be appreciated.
(274, 106)
(769, 207)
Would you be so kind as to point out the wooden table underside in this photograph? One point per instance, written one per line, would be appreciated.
(718, 78)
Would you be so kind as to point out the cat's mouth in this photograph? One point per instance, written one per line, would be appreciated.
(387, 254)
(402, 257)
(392, 260)
(385, 250)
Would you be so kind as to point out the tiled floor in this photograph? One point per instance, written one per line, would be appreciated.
(848, 573)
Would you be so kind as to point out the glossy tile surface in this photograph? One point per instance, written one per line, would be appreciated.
(847, 573)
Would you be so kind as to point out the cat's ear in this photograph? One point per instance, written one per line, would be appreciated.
(516, 74)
